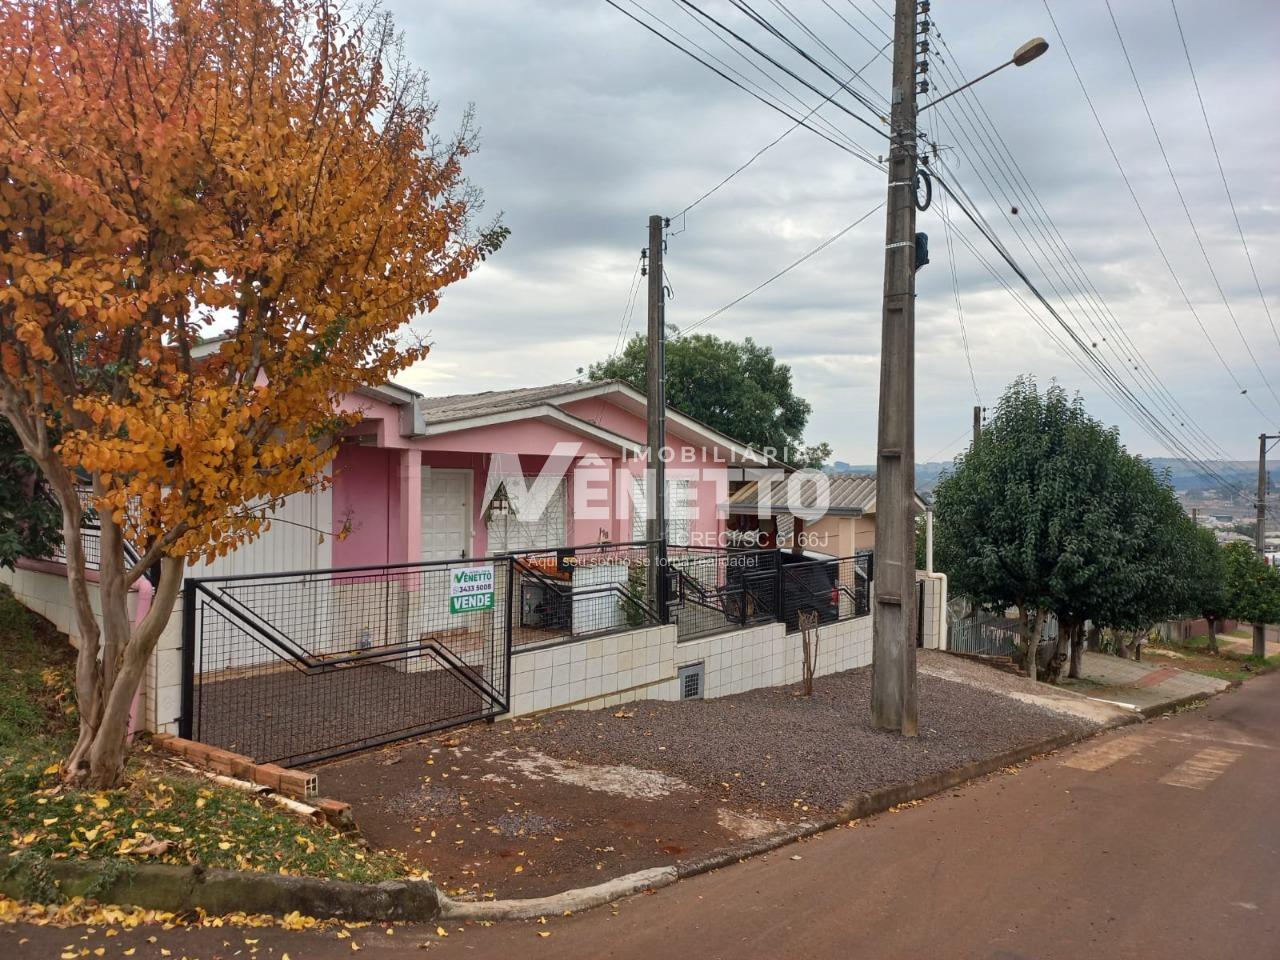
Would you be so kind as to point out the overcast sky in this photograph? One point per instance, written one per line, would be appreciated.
(589, 124)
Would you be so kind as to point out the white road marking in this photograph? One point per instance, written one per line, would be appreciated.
(1231, 741)
(1107, 753)
(1202, 769)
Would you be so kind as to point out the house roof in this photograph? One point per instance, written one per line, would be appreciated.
(849, 495)
(463, 411)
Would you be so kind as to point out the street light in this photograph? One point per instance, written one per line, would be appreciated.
(893, 675)
(1021, 57)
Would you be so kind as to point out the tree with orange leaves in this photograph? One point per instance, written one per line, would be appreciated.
(215, 218)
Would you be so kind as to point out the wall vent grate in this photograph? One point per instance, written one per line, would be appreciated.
(691, 679)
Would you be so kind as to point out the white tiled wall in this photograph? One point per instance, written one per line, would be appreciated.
(733, 663)
(597, 672)
(48, 595)
(934, 597)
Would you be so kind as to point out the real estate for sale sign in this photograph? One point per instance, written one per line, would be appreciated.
(471, 589)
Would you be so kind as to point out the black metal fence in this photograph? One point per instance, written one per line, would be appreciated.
(711, 590)
(575, 592)
(838, 589)
(299, 667)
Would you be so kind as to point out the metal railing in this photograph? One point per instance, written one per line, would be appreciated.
(91, 540)
(836, 589)
(570, 593)
(713, 590)
(304, 666)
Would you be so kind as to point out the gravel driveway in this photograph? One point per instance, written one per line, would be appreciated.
(773, 747)
(533, 806)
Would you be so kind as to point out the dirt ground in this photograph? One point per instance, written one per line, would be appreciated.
(531, 807)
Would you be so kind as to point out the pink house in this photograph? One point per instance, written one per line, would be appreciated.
(471, 475)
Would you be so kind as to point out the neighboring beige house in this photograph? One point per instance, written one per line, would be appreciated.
(847, 526)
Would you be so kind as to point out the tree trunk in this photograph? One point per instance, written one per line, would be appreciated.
(1077, 651)
(112, 658)
(1059, 658)
(1030, 629)
(1213, 634)
(1094, 640)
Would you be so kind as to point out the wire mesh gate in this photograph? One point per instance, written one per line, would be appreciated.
(300, 667)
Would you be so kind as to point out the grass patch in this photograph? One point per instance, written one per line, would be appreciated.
(37, 671)
(1226, 664)
(165, 816)
(161, 814)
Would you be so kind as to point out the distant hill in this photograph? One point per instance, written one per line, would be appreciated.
(1185, 475)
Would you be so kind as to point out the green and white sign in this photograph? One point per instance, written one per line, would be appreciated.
(470, 589)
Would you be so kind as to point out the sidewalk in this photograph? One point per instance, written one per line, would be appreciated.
(1245, 645)
(1141, 687)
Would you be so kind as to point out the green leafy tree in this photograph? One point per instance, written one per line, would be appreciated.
(30, 519)
(738, 388)
(1209, 572)
(1252, 585)
(1049, 513)
(1005, 528)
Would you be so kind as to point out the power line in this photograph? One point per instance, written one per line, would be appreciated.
(780, 66)
(772, 143)
(941, 450)
(1142, 213)
(831, 134)
(785, 270)
(955, 288)
(1185, 208)
(1065, 264)
(624, 322)
(1221, 172)
(1149, 420)
(754, 65)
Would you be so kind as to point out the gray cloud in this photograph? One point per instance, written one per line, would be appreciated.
(589, 124)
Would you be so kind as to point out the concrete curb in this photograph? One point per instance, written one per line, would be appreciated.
(864, 806)
(160, 886)
(1169, 706)
(881, 800)
(174, 888)
(557, 904)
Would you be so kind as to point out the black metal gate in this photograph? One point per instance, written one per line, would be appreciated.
(299, 667)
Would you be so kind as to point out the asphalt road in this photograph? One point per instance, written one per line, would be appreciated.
(1156, 841)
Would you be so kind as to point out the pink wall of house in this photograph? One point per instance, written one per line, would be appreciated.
(690, 460)
(363, 494)
(378, 481)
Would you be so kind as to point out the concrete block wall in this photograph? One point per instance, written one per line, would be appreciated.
(41, 587)
(768, 656)
(162, 685)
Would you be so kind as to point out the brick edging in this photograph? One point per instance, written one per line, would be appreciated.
(297, 784)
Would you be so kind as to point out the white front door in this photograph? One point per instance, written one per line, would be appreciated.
(446, 514)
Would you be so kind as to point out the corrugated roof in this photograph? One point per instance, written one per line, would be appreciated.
(460, 406)
(849, 495)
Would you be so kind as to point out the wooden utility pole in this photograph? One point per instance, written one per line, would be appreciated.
(655, 468)
(977, 423)
(893, 686)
